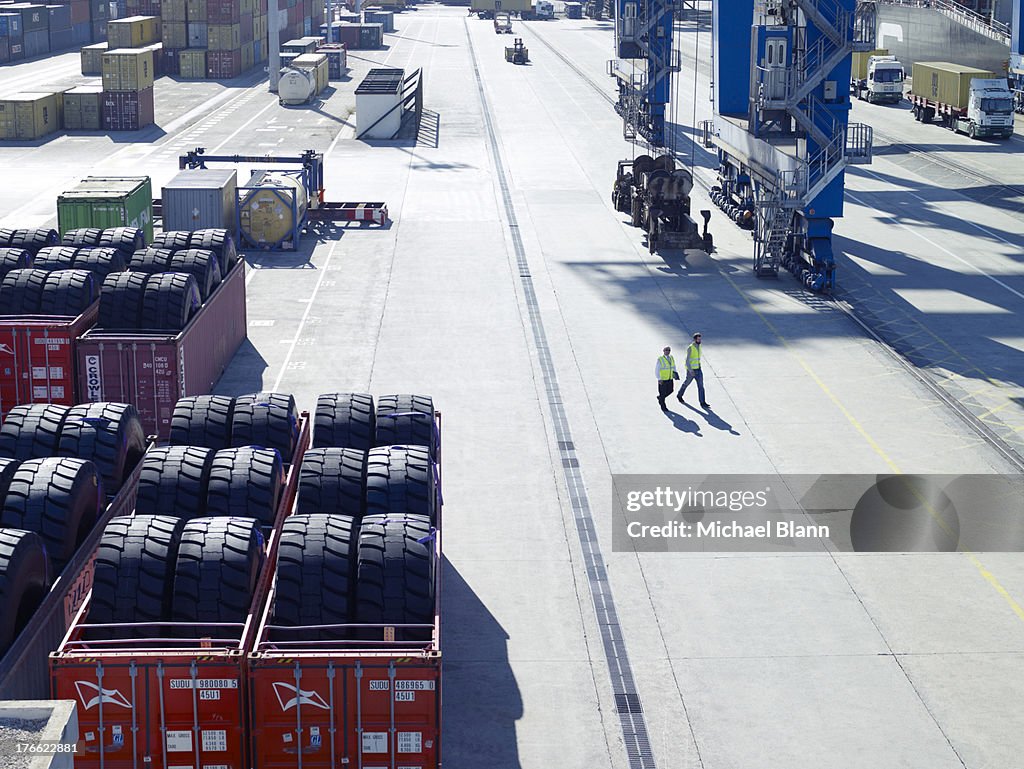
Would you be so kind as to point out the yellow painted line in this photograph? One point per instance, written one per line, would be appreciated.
(855, 423)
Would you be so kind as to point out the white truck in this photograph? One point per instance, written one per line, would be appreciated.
(543, 10)
(879, 79)
(966, 100)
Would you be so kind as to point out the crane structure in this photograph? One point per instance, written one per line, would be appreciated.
(1017, 55)
(781, 89)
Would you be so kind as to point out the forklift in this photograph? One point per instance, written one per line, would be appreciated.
(517, 54)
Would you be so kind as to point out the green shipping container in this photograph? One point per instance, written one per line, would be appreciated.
(947, 83)
(108, 201)
(128, 69)
(192, 64)
(224, 37)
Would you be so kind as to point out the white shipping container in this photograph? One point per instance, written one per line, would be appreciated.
(200, 198)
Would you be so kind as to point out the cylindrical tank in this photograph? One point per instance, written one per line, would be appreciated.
(269, 215)
(296, 85)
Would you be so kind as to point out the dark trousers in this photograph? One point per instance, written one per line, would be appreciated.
(692, 374)
(665, 387)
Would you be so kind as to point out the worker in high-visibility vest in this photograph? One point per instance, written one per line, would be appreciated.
(665, 371)
(693, 371)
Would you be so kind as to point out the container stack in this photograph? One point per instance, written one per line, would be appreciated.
(83, 108)
(127, 89)
(59, 24)
(215, 39)
(376, 16)
(35, 30)
(354, 36)
(12, 39)
(337, 59)
(29, 116)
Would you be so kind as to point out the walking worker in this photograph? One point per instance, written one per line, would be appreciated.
(693, 372)
(665, 371)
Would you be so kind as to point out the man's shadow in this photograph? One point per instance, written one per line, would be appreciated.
(712, 419)
(683, 424)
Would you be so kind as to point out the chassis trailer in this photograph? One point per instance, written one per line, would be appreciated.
(964, 99)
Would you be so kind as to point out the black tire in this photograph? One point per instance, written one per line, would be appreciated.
(201, 265)
(59, 498)
(109, 434)
(202, 420)
(400, 479)
(218, 241)
(315, 574)
(22, 291)
(34, 240)
(14, 259)
(345, 420)
(169, 301)
(174, 481)
(134, 574)
(85, 237)
(406, 420)
(245, 482)
(24, 581)
(31, 431)
(175, 240)
(8, 467)
(266, 419)
(126, 239)
(333, 481)
(150, 260)
(215, 575)
(121, 300)
(68, 292)
(395, 575)
(101, 262)
(55, 258)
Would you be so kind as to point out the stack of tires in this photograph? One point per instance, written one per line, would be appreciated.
(58, 468)
(192, 551)
(359, 549)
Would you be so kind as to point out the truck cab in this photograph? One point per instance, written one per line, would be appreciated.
(884, 82)
(544, 10)
(990, 109)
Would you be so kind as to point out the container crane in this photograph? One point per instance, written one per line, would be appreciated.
(1017, 55)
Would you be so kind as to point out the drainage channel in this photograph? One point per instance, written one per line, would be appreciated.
(627, 700)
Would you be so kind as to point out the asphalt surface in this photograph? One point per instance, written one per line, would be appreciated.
(736, 659)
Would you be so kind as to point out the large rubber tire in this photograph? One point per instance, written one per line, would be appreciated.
(55, 258)
(134, 574)
(59, 498)
(203, 420)
(32, 431)
(174, 481)
(34, 240)
(345, 420)
(14, 259)
(395, 575)
(315, 575)
(333, 481)
(84, 237)
(400, 479)
(101, 262)
(406, 420)
(68, 292)
(218, 241)
(150, 260)
(245, 482)
(215, 575)
(24, 580)
(266, 419)
(121, 300)
(22, 291)
(201, 265)
(169, 301)
(126, 239)
(175, 240)
(109, 434)
(8, 468)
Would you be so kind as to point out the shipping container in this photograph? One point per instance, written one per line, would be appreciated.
(92, 58)
(60, 17)
(859, 62)
(157, 50)
(99, 30)
(79, 12)
(175, 34)
(299, 46)
(5, 50)
(574, 10)
(128, 110)
(104, 202)
(10, 24)
(81, 34)
(247, 28)
(37, 43)
(28, 116)
(61, 39)
(317, 63)
(385, 18)
(224, 11)
(127, 69)
(197, 10)
(198, 34)
(99, 10)
(337, 59)
(169, 63)
(133, 32)
(192, 64)
(223, 37)
(223, 65)
(371, 36)
(33, 17)
(174, 10)
(272, 210)
(82, 108)
(198, 199)
(946, 83)
(174, 694)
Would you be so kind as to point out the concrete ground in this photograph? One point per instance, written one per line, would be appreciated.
(735, 660)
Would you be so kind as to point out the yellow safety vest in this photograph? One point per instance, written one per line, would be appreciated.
(693, 357)
(665, 367)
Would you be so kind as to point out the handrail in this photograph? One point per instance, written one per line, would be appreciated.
(991, 28)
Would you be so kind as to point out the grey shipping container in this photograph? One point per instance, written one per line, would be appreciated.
(154, 369)
(200, 199)
(371, 36)
(33, 17)
(198, 34)
(37, 43)
(60, 16)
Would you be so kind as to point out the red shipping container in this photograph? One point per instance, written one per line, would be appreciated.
(223, 11)
(169, 62)
(150, 8)
(153, 370)
(79, 12)
(37, 358)
(127, 110)
(247, 28)
(221, 65)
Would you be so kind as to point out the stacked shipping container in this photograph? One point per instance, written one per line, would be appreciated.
(29, 30)
(127, 89)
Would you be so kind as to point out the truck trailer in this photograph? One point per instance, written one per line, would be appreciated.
(964, 99)
(877, 76)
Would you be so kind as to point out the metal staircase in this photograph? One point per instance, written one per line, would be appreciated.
(774, 220)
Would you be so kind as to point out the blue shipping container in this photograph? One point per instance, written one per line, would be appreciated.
(10, 25)
(61, 39)
(5, 50)
(81, 34)
(37, 43)
(99, 31)
(60, 17)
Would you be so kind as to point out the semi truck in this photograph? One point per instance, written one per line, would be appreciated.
(877, 76)
(964, 99)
